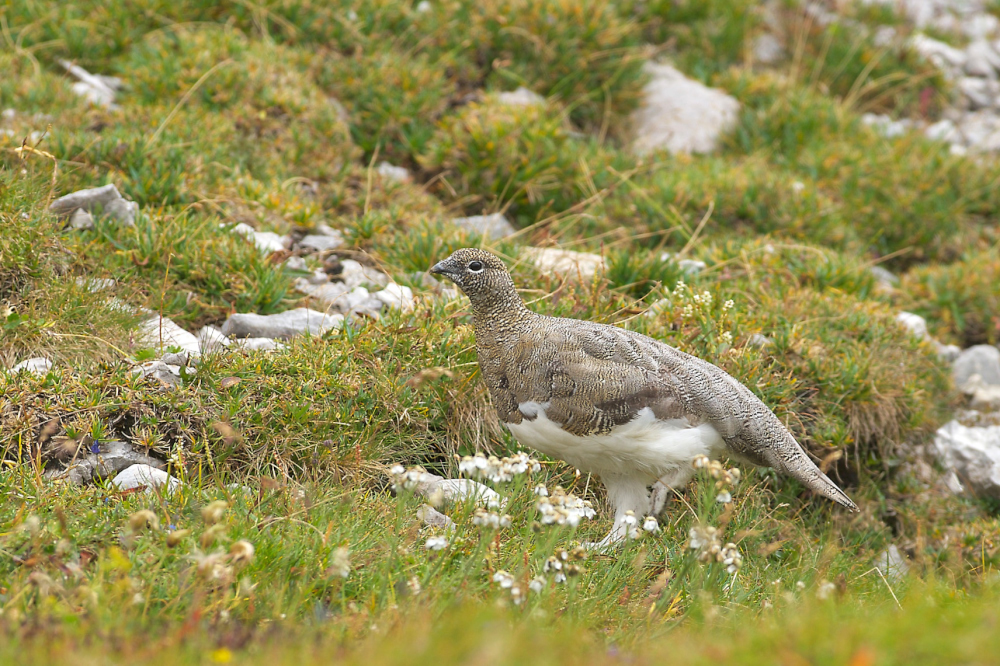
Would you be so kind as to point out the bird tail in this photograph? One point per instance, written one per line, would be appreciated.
(795, 462)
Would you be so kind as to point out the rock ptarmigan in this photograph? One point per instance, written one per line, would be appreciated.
(630, 409)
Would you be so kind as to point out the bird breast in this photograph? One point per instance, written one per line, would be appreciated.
(645, 445)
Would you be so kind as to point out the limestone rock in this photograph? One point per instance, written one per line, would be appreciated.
(98, 90)
(520, 97)
(105, 200)
(394, 173)
(106, 459)
(266, 241)
(973, 453)
(680, 114)
(161, 333)
(37, 366)
(493, 226)
(914, 323)
(169, 376)
(982, 360)
(141, 475)
(892, 564)
(211, 339)
(283, 325)
(396, 297)
(321, 242)
(565, 262)
(354, 274)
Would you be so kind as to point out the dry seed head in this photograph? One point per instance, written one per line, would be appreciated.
(174, 537)
(214, 511)
(241, 553)
(143, 520)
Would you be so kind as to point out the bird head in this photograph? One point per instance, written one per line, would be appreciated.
(480, 275)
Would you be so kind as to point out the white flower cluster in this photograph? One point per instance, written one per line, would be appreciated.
(562, 508)
(498, 470)
(340, 563)
(705, 539)
(434, 543)
(562, 564)
(634, 530)
(724, 478)
(490, 519)
(507, 582)
(704, 298)
(728, 305)
(726, 338)
(408, 478)
(825, 589)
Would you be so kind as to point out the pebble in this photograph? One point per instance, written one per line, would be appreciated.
(37, 366)
(397, 297)
(565, 262)
(520, 97)
(394, 173)
(321, 243)
(493, 227)
(266, 241)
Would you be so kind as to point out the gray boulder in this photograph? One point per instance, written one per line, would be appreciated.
(982, 360)
(105, 200)
(973, 454)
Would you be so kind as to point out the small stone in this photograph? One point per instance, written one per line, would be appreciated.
(321, 243)
(258, 344)
(326, 294)
(294, 263)
(947, 353)
(493, 226)
(266, 241)
(982, 360)
(105, 200)
(37, 366)
(759, 341)
(885, 280)
(981, 93)
(884, 36)
(285, 325)
(104, 460)
(160, 333)
(680, 114)
(892, 564)
(983, 397)
(886, 126)
(397, 297)
(520, 97)
(179, 359)
(98, 90)
(914, 323)
(565, 262)
(947, 58)
(138, 476)
(943, 130)
(434, 518)
(211, 339)
(81, 220)
(767, 49)
(981, 59)
(692, 266)
(394, 173)
(354, 274)
(169, 376)
(94, 285)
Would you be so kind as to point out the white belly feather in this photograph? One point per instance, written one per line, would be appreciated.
(645, 444)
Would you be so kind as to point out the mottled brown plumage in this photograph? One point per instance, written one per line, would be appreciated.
(612, 399)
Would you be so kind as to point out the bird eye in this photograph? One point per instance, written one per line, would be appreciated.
(476, 266)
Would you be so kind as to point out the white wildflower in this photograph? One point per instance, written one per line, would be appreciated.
(726, 338)
(505, 580)
(562, 508)
(408, 479)
(825, 589)
(730, 558)
(699, 461)
(651, 525)
(800, 585)
(516, 595)
(436, 543)
(414, 586)
(725, 497)
(541, 490)
(340, 563)
(537, 584)
(728, 305)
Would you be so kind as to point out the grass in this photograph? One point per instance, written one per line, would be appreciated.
(275, 114)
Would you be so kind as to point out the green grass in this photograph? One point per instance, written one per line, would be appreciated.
(275, 114)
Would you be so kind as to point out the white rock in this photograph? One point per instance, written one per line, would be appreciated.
(980, 25)
(680, 114)
(294, 263)
(37, 366)
(169, 376)
(106, 200)
(914, 323)
(886, 126)
(258, 344)
(884, 36)
(211, 339)
(982, 360)
(520, 97)
(423, 7)
(395, 173)
(565, 262)
(81, 220)
(321, 243)
(103, 460)
(286, 324)
(160, 333)
(266, 241)
(759, 341)
(947, 353)
(980, 131)
(434, 518)
(983, 397)
(981, 93)
(493, 226)
(397, 297)
(767, 49)
(943, 130)
(458, 490)
(94, 285)
(892, 564)
(326, 294)
(981, 59)
(949, 59)
(885, 280)
(138, 476)
(973, 453)
(98, 90)
(356, 275)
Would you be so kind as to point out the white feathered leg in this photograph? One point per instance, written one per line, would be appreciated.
(625, 494)
(668, 483)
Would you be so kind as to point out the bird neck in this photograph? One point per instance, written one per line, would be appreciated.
(501, 310)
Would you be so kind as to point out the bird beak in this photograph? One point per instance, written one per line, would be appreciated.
(440, 268)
